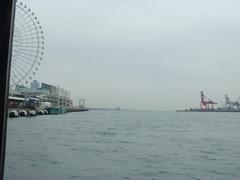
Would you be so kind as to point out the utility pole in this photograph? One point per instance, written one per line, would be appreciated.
(7, 12)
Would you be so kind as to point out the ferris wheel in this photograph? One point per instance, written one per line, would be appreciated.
(28, 46)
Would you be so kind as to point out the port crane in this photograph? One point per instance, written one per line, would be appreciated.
(206, 103)
(231, 104)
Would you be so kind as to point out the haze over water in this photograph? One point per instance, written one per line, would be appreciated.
(141, 54)
(124, 145)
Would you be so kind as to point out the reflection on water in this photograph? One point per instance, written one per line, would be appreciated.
(124, 145)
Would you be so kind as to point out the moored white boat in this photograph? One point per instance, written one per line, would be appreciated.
(22, 112)
(13, 113)
(40, 112)
(45, 111)
(32, 113)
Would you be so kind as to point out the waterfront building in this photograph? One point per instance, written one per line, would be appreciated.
(50, 95)
(35, 85)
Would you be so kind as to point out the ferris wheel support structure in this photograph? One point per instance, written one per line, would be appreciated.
(28, 46)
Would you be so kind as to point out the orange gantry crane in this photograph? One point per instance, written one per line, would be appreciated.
(206, 103)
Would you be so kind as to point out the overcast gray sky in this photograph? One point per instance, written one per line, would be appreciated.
(141, 54)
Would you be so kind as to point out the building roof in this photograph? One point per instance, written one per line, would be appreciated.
(16, 98)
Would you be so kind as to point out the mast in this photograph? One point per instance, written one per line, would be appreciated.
(7, 11)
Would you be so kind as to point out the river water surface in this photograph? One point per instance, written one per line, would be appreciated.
(106, 145)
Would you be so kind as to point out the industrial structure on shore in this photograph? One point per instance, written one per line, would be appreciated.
(207, 105)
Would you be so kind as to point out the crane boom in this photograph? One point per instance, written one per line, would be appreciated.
(206, 103)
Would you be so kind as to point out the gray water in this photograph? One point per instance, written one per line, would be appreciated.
(106, 145)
